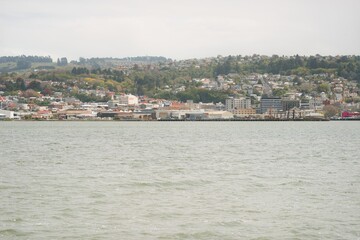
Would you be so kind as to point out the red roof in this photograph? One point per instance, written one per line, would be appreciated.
(43, 112)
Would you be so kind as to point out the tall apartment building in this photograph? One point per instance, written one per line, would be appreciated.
(237, 103)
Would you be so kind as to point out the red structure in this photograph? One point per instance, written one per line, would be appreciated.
(350, 114)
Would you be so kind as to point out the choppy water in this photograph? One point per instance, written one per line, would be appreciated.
(179, 180)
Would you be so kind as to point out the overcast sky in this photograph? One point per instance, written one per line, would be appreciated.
(179, 29)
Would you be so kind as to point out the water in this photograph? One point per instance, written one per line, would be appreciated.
(179, 180)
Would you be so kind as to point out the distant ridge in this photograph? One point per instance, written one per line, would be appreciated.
(32, 59)
(133, 59)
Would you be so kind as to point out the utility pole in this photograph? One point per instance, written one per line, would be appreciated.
(293, 114)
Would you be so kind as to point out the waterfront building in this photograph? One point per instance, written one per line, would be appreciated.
(232, 103)
(305, 104)
(218, 115)
(316, 103)
(8, 114)
(350, 115)
(270, 104)
(244, 111)
(288, 104)
(175, 113)
(113, 103)
(76, 114)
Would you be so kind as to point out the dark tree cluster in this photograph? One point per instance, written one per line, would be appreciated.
(19, 84)
(91, 98)
(22, 64)
(107, 73)
(10, 86)
(80, 70)
(62, 61)
(344, 66)
(31, 59)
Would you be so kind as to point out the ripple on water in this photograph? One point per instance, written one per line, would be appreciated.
(10, 232)
(14, 220)
(196, 235)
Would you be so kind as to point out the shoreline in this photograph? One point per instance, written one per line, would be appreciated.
(178, 120)
(181, 120)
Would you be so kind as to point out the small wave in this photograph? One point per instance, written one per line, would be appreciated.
(4, 187)
(11, 232)
(198, 235)
(97, 195)
(141, 184)
(233, 223)
(295, 183)
(261, 238)
(15, 220)
(180, 184)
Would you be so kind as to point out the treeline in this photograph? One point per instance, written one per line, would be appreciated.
(19, 85)
(342, 66)
(145, 59)
(91, 98)
(23, 58)
(97, 62)
(132, 59)
(108, 73)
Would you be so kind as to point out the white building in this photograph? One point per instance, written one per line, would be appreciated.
(8, 114)
(113, 103)
(237, 103)
(129, 99)
(219, 115)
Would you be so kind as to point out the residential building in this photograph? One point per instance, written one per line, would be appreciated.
(232, 103)
(129, 99)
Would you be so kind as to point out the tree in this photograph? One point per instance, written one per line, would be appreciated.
(62, 62)
(35, 85)
(20, 84)
(324, 87)
(330, 111)
(82, 60)
(23, 64)
(47, 91)
(279, 92)
(74, 71)
(31, 93)
(312, 62)
(306, 87)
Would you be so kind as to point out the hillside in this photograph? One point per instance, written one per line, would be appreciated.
(210, 79)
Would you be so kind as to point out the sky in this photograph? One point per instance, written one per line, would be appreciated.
(178, 29)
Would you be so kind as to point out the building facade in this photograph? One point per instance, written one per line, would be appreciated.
(288, 104)
(237, 103)
(270, 105)
(244, 111)
(128, 100)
